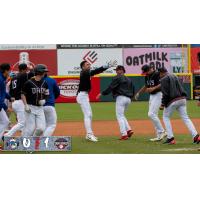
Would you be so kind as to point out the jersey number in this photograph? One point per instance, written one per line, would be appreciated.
(14, 84)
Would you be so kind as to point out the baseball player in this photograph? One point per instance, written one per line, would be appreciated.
(174, 98)
(83, 95)
(16, 86)
(49, 107)
(34, 95)
(152, 80)
(4, 121)
(7, 102)
(123, 91)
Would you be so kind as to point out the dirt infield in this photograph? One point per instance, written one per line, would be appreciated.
(110, 128)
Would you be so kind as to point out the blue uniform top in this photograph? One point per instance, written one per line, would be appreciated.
(54, 91)
(3, 94)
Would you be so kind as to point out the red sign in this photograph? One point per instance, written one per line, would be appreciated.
(31, 57)
(69, 87)
(195, 60)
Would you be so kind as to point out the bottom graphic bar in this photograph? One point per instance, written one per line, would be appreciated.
(62, 143)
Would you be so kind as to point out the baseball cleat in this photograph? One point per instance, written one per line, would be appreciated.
(130, 133)
(157, 139)
(197, 139)
(125, 137)
(163, 135)
(170, 141)
(160, 137)
(91, 138)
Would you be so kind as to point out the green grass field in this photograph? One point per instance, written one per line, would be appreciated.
(137, 144)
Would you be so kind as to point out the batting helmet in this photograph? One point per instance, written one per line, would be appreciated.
(40, 68)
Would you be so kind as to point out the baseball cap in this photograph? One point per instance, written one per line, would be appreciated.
(120, 67)
(145, 68)
(162, 70)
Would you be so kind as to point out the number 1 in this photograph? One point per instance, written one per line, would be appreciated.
(46, 142)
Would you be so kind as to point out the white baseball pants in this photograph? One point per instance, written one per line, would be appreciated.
(18, 108)
(154, 105)
(4, 121)
(51, 120)
(122, 103)
(83, 100)
(180, 106)
(35, 121)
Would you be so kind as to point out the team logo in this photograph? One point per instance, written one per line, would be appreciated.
(12, 144)
(61, 143)
(91, 57)
(69, 88)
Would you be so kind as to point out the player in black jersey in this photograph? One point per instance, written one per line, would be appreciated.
(34, 95)
(152, 80)
(16, 85)
(83, 94)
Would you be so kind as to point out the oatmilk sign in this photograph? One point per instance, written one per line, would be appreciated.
(174, 59)
(68, 88)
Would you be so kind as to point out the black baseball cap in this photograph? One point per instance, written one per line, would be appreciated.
(162, 70)
(120, 67)
(146, 68)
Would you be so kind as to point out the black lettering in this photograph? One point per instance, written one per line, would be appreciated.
(135, 61)
(141, 59)
(154, 55)
(164, 57)
(158, 64)
(157, 56)
(148, 57)
(152, 64)
(129, 60)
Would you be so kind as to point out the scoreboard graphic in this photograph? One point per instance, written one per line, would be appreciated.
(37, 143)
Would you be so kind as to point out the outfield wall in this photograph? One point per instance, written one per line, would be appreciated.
(69, 85)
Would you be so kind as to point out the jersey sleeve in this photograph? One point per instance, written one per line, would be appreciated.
(114, 84)
(97, 71)
(165, 90)
(56, 90)
(46, 92)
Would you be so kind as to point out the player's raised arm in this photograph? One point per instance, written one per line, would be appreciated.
(103, 68)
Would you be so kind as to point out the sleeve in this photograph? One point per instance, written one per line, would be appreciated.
(8, 96)
(114, 84)
(25, 88)
(56, 90)
(3, 106)
(46, 93)
(98, 70)
(165, 91)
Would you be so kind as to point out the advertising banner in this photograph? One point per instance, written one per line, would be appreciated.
(26, 46)
(31, 57)
(69, 87)
(174, 59)
(69, 59)
(195, 60)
